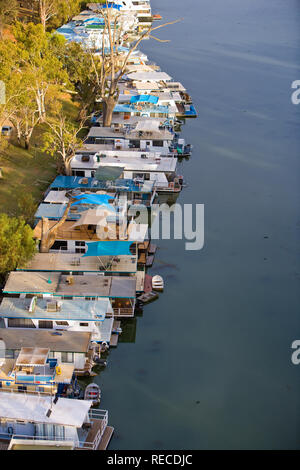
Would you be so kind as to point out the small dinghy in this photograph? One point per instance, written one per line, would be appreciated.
(157, 283)
(93, 392)
(148, 297)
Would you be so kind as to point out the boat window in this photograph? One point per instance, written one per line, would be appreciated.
(158, 143)
(47, 324)
(20, 323)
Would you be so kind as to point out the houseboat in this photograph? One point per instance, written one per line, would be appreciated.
(68, 347)
(139, 166)
(60, 315)
(55, 286)
(34, 372)
(32, 422)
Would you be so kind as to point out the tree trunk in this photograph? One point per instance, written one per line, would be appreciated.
(108, 109)
(27, 142)
(48, 236)
(68, 169)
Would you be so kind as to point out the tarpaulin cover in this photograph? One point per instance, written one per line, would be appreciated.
(108, 173)
(144, 99)
(109, 248)
(99, 199)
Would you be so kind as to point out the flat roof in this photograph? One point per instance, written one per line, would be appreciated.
(65, 341)
(76, 263)
(105, 329)
(32, 408)
(75, 310)
(32, 282)
(151, 76)
(32, 356)
(93, 285)
(120, 185)
(97, 285)
(67, 232)
(150, 130)
(135, 163)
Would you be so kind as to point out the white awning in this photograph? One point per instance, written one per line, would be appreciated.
(32, 408)
(137, 232)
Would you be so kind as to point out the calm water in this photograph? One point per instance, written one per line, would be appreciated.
(210, 366)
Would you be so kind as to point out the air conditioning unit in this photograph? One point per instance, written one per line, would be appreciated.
(52, 306)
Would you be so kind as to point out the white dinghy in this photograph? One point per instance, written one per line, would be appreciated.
(157, 283)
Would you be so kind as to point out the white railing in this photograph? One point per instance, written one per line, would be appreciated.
(100, 415)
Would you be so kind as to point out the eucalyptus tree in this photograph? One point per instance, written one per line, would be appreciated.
(113, 62)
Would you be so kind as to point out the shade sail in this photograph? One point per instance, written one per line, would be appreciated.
(147, 125)
(114, 248)
(108, 173)
(93, 216)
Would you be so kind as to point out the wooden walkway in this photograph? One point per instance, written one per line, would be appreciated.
(148, 283)
(106, 438)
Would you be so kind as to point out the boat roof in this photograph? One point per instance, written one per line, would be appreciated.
(62, 341)
(58, 197)
(99, 286)
(132, 108)
(67, 232)
(121, 185)
(105, 329)
(75, 262)
(135, 163)
(32, 356)
(149, 76)
(149, 126)
(33, 409)
(95, 285)
(75, 310)
(32, 282)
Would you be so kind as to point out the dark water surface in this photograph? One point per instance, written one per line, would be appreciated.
(210, 366)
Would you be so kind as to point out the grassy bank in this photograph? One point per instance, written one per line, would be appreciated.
(28, 171)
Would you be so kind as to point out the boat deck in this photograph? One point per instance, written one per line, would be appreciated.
(97, 425)
(148, 284)
(140, 281)
(106, 438)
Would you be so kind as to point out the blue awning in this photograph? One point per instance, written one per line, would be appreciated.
(109, 248)
(144, 99)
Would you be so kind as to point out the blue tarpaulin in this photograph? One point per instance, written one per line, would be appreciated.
(99, 199)
(109, 248)
(144, 99)
(112, 5)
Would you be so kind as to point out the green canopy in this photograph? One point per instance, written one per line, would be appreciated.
(109, 173)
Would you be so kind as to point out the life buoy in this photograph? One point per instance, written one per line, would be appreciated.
(58, 370)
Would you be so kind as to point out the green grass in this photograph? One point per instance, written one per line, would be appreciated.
(28, 171)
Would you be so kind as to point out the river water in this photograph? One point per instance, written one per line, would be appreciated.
(209, 363)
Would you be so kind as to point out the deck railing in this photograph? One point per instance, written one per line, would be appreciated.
(123, 312)
(94, 415)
